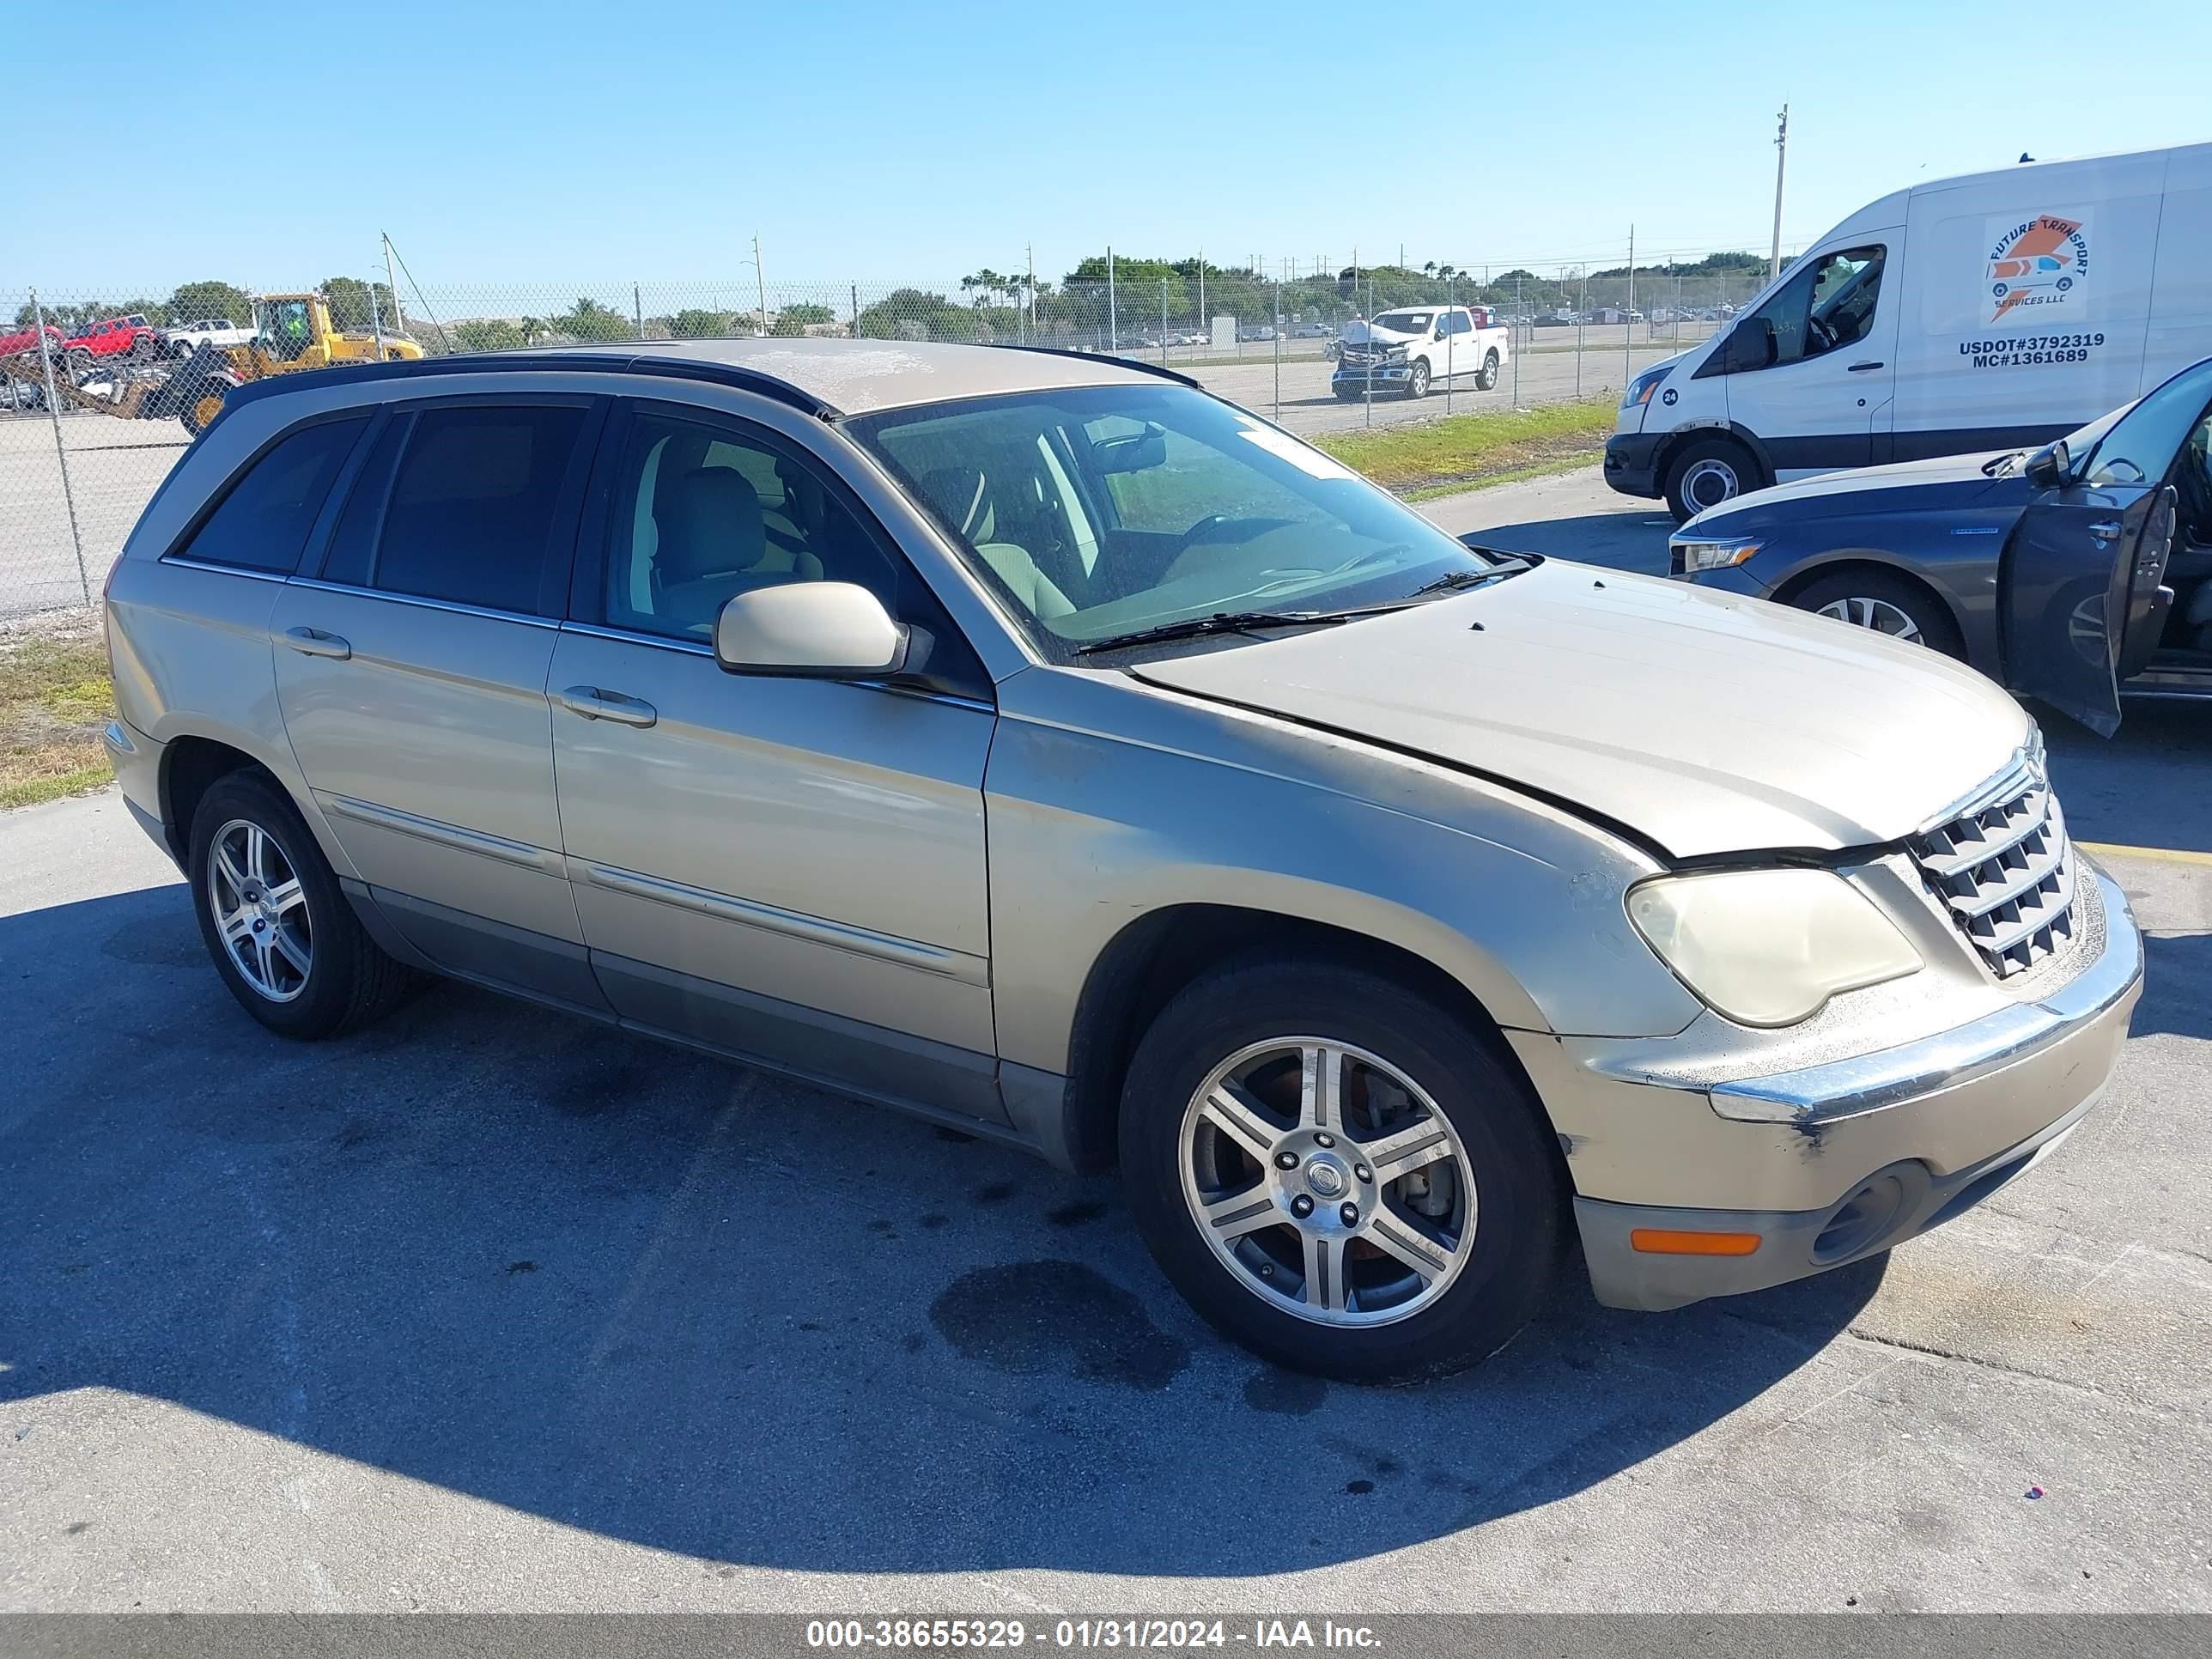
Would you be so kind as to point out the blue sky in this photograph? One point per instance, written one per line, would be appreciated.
(502, 143)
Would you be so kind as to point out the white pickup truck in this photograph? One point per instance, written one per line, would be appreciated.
(186, 338)
(1410, 349)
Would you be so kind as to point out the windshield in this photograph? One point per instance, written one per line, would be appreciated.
(1405, 322)
(1100, 511)
(2137, 442)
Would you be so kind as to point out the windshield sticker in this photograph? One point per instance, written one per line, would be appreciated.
(2038, 270)
(1312, 462)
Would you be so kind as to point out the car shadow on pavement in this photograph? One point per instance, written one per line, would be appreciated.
(699, 1308)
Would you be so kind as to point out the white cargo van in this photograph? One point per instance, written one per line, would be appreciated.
(1990, 312)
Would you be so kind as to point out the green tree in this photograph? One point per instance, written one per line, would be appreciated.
(913, 313)
(193, 300)
(349, 298)
(590, 320)
(488, 334)
(793, 319)
(694, 323)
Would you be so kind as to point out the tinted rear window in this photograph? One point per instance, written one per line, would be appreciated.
(470, 515)
(262, 523)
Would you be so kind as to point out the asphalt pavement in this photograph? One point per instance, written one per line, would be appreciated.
(484, 1307)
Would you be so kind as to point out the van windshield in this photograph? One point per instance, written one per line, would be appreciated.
(1100, 511)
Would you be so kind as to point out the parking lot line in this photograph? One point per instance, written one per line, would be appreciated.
(2157, 854)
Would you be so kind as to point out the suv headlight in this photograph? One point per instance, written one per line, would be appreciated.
(1690, 554)
(1769, 947)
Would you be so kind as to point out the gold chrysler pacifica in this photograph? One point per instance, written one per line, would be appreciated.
(1036, 743)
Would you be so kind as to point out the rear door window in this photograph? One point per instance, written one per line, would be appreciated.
(471, 509)
(263, 522)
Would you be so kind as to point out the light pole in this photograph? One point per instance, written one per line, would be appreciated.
(1781, 160)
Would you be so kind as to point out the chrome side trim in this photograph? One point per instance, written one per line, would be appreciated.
(182, 562)
(1867, 1083)
(860, 941)
(415, 599)
(442, 834)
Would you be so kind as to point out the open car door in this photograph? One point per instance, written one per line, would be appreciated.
(2083, 598)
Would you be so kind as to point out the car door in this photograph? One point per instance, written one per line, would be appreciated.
(790, 869)
(410, 672)
(1811, 373)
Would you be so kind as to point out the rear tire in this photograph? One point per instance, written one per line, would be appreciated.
(1487, 1212)
(1706, 473)
(297, 957)
(1486, 379)
(1884, 604)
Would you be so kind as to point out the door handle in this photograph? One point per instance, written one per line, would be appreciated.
(2105, 532)
(1861, 368)
(593, 704)
(313, 642)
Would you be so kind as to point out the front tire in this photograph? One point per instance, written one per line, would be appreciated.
(1417, 383)
(1883, 603)
(1337, 1173)
(284, 940)
(1706, 473)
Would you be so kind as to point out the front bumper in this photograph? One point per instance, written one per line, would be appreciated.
(1835, 1161)
(1632, 463)
(1385, 377)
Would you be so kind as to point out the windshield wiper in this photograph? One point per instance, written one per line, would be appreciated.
(1462, 579)
(1221, 622)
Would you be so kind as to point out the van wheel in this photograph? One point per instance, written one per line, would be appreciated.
(1706, 473)
(1337, 1173)
(284, 940)
(1884, 604)
(1486, 380)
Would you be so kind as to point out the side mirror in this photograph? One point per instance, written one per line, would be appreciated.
(1439, 335)
(824, 630)
(1133, 453)
(2050, 466)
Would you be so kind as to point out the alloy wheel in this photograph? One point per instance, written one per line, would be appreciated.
(1326, 1182)
(260, 910)
(1879, 615)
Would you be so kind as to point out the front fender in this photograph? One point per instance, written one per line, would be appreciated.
(1108, 802)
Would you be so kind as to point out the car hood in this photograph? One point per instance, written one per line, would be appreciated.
(1943, 482)
(1707, 723)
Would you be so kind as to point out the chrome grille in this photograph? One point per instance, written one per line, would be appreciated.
(2001, 865)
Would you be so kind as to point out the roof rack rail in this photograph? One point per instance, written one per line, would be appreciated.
(676, 367)
(1159, 370)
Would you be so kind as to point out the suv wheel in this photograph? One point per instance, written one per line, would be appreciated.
(1339, 1174)
(282, 936)
(1707, 473)
(1486, 380)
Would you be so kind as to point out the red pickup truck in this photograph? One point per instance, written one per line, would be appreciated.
(118, 336)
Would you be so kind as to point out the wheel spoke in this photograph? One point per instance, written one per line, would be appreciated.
(1231, 1111)
(256, 852)
(1243, 1213)
(289, 948)
(1320, 1088)
(238, 925)
(264, 961)
(1404, 1150)
(1394, 1237)
(1324, 1265)
(287, 896)
(226, 861)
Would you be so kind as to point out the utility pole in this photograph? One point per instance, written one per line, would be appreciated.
(1205, 326)
(1781, 160)
(1029, 250)
(1113, 322)
(760, 279)
(1627, 327)
(391, 284)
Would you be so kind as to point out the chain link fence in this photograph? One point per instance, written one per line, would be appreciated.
(100, 392)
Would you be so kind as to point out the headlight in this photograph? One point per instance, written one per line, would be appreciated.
(1691, 554)
(1641, 388)
(1769, 947)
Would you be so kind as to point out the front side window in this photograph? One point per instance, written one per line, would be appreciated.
(469, 514)
(2139, 443)
(1190, 508)
(262, 523)
(1827, 304)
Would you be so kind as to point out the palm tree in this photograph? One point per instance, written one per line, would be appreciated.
(1446, 272)
(1429, 267)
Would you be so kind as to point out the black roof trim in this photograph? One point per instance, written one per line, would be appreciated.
(1102, 357)
(595, 362)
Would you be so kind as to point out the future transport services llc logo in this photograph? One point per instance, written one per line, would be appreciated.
(2038, 262)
